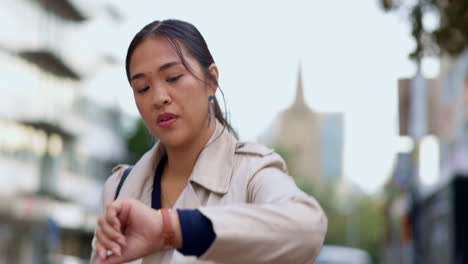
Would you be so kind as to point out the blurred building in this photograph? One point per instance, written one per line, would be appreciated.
(311, 142)
(56, 146)
(331, 145)
(439, 108)
(427, 192)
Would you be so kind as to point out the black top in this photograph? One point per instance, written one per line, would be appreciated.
(197, 229)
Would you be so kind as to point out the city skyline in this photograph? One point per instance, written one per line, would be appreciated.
(351, 54)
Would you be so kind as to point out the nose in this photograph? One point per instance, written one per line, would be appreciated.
(161, 97)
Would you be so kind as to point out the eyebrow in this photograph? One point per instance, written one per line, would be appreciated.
(162, 68)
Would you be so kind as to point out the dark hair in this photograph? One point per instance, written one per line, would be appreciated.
(176, 31)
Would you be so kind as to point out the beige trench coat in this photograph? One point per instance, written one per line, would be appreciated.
(258, 213)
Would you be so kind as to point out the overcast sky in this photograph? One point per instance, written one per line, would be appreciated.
(351, 54)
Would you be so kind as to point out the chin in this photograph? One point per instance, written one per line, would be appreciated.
(177, 138)
(172, 141)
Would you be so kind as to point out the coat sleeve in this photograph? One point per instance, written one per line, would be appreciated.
(106, 197)
(280, 224)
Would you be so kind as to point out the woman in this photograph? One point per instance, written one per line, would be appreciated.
(235, 201)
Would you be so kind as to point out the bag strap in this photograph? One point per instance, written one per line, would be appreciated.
(124, 176)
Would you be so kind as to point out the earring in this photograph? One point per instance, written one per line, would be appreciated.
(210, 105)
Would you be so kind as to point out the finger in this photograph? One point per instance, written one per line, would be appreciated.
(114, 259)
(107, 243)
(124, 212)
(111, 233)
(100, 251)
(112, 213)
(108, 231)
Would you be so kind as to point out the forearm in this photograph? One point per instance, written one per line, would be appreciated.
(286, 232)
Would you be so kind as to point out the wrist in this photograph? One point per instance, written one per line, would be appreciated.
(177, 229)
(171, 232)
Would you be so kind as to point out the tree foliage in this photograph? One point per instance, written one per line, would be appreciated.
(354, 219)
(450, 37)
(139, 141)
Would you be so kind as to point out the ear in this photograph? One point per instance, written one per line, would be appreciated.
(213, 70)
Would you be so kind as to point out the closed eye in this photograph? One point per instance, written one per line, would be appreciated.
(174, 79)
(140, 91)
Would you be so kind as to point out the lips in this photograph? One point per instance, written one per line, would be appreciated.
(166, 120)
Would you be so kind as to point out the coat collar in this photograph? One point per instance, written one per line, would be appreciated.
(212, 170)
(214, 165)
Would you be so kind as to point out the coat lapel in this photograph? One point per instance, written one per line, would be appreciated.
(212, 171)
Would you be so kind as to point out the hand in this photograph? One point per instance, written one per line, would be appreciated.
(130, 229)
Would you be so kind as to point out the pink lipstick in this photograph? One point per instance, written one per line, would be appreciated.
(166, 120)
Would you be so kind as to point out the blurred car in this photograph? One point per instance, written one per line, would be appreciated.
(342, 255)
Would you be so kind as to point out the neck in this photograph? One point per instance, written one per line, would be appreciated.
(181, 160)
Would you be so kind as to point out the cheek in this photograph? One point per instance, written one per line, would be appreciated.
(193, 100)
(196, 107)
(143, 109)
(139, 106)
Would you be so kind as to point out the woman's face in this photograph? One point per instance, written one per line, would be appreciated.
(171, 100)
